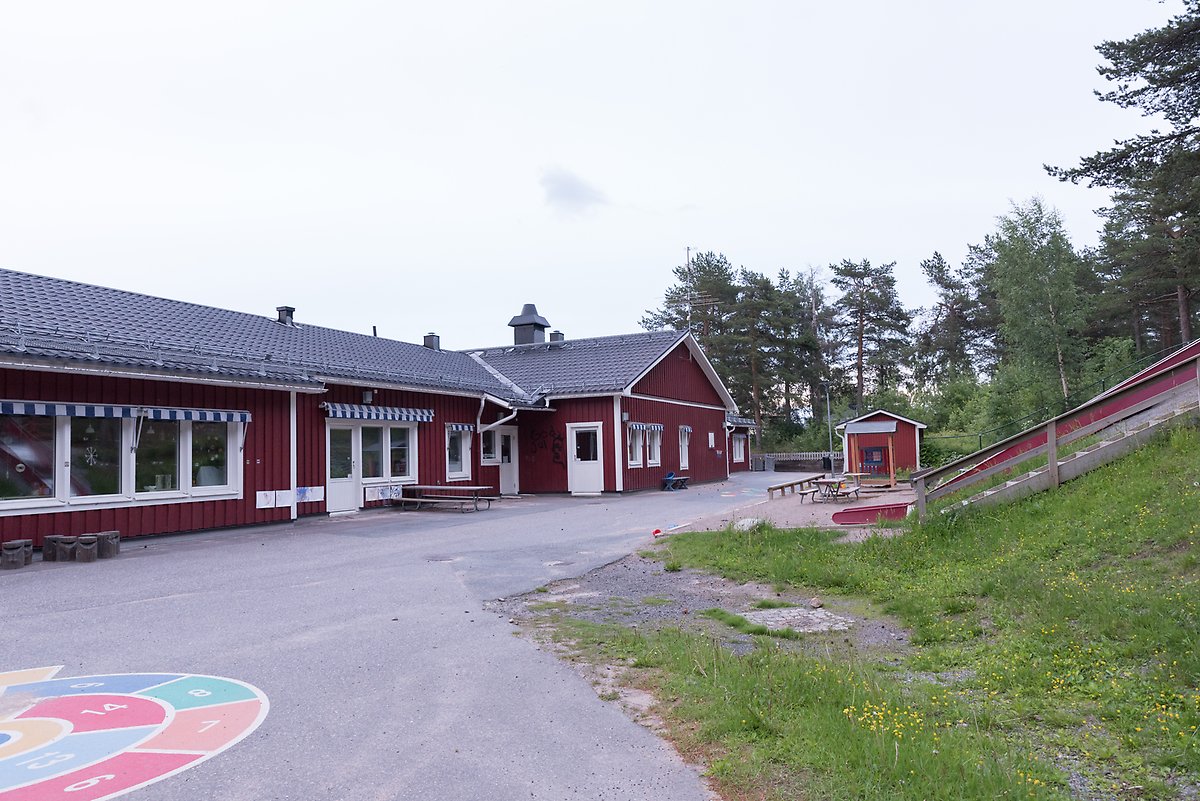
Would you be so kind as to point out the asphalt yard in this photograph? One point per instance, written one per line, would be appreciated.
(367, 638)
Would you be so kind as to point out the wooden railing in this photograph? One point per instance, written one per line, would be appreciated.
(1135, 395)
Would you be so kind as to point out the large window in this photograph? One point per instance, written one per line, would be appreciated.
(634, 447)
(458, 453)
(210, 454)
(402, 466)
(157, 458)
(27, 459)
(106, 461)
(96, 455)
(372, 452)
(654, 447)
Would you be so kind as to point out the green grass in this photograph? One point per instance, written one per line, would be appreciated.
(1071, 619)
(655, 600)
(746, 627)
(769, 603)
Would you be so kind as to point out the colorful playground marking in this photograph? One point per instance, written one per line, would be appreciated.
(90, 738)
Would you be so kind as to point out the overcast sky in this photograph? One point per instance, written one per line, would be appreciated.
(432, 166)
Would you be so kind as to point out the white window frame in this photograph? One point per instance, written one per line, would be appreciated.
(685, 449)
(739, 448)
(62, 499)
(654, 447)
(494, 459)
(634, 441)
(387, 477)
(465, 440)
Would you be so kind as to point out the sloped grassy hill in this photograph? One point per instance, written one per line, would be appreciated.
(1065, 629)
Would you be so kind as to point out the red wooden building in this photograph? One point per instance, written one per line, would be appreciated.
(125, 412)
(880, 443)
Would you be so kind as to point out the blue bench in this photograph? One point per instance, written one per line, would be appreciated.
(673, 482)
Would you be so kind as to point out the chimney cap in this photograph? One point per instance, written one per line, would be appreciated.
(529, 316)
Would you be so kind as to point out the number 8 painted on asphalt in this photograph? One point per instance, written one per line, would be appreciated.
(200, 693)
(86, 783)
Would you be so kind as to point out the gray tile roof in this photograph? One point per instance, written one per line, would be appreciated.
(52, 319)
(578, 366)
(49, 318)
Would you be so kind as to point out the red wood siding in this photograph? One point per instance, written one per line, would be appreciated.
(431, 437)
(679, 377)
(904, 444)
(542, 442)
(705, 464)
(265, 460)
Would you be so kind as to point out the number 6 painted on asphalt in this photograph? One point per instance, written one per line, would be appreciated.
(86, 783)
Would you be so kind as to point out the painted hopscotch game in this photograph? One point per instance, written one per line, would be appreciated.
(89, 738)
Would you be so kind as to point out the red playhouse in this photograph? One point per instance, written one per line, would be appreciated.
(879, 443)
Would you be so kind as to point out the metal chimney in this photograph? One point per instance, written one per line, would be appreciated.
(433, 341)
(285, 314)
(529, 327)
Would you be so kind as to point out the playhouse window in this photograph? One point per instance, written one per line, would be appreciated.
(873, 456)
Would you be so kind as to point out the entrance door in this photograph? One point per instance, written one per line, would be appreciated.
(585, 467)
(342, 490)
(510, 480)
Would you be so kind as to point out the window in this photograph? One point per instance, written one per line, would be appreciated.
(96, 455)
(56, 460)
(487, 444)
(210, 454)
(739, 447)
(458, 453)
(388, 453)
(633, 443)
(654, 447)
(157, 458)
(27, 458)
(372, 452)
(401, 465)
(685, 444)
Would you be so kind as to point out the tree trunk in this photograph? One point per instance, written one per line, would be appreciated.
(754, 395)
(862, 322)
(1185, 314)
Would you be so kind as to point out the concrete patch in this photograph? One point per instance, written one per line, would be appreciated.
(798, 618)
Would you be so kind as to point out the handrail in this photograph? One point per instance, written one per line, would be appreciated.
(982, 455)
(1039, 413)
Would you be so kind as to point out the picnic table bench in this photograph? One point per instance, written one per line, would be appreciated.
(673, 482)
(837, 488)
(460, 495)
(798, 486)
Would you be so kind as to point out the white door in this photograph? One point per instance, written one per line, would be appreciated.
(342, 490)
(510, 481)
(585, 465)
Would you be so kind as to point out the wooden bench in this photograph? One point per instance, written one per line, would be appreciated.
(845, 491)
(810, 493)
(673, 482)
(433, 500)
(800, 483)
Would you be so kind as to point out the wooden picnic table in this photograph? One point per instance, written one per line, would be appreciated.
(435, 494)
(836, 488)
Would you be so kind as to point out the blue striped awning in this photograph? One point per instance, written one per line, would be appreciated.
(66, 409)
(358, 411)
(646, 426)
(461, 426)
(197, 415)
(108, 410)
(686, 428)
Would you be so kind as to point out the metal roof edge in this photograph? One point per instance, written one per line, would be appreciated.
(178, 377)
